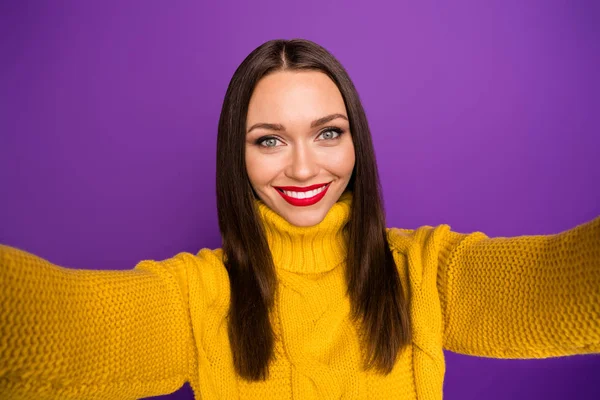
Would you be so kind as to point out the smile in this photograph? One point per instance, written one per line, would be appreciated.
(303, 196)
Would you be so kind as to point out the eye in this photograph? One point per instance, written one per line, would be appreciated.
(331, 133)
(267, 141)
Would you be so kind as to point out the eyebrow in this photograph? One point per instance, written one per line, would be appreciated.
(314, 124)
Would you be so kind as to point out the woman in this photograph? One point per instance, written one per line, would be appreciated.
(311, 297)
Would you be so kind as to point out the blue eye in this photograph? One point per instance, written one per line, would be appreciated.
(330, 133)
(267, 141)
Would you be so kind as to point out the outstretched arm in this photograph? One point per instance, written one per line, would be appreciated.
(521, 297)
(73, 334)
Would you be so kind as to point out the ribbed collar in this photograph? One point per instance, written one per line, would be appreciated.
(308, 250)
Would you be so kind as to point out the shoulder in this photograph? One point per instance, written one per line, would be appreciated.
(206, 274)
(401, 239)
(206, 261)
(213, 257)
(416, 251)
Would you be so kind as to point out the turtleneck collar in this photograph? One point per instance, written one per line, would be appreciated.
(308, 250)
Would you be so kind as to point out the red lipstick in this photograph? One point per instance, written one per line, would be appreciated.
(302, 202)
(301, 189)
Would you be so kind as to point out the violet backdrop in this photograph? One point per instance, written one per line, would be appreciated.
(484, 115)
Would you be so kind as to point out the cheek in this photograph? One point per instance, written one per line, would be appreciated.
(252, 168)
(257, 168)
(341, 162)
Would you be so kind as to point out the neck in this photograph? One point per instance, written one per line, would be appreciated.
(308, 250)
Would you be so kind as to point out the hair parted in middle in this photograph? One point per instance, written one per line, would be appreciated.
(373, 283)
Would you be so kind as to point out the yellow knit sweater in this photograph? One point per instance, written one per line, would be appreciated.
(87, 334)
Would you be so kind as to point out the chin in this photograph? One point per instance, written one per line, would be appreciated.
(305, 219)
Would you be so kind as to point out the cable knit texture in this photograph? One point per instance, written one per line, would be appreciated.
(85, 334)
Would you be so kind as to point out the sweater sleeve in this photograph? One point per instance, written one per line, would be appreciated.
(521, 297)
(93, 334)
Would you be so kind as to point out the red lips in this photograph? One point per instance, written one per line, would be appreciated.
(302, 202)
(300, 189)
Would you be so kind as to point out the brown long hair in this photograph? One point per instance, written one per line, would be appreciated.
(373, 282)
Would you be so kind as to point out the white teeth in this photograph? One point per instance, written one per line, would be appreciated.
(305, 195)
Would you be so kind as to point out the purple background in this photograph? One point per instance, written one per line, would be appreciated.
(484, 114)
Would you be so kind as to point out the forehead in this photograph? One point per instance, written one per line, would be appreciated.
(294, 96)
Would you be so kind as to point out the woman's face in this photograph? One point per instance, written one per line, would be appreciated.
(299, 151)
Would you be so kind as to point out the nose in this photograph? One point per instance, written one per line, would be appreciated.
(303, 164)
